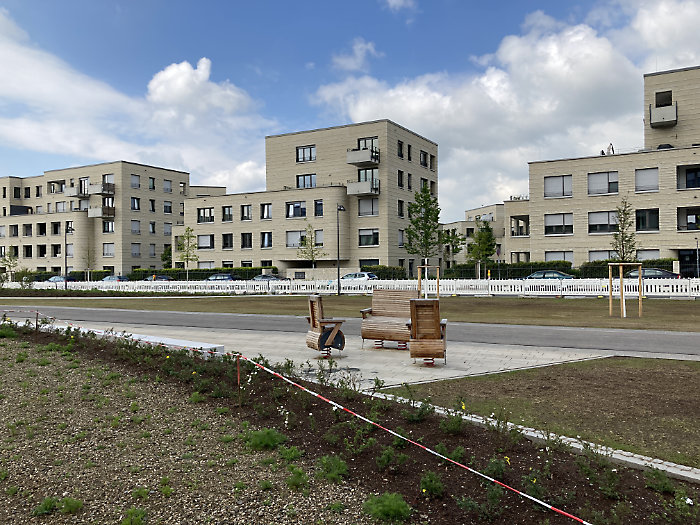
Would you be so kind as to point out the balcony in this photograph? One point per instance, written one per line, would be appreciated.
(365, 187)
(664, 116)
(76, 191)
(99, 212)
(363, 158)
(102, 188)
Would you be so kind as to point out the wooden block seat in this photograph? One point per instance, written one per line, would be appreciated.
(428, 332)
(323, 333)
(386, 319)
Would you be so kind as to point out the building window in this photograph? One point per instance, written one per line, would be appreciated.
(41, 251)
(432, 187)
(558, 223)
(17, 192)
(399, 148)
(369, 237)
(27, 230)
(266, 239)
(646, 180)
(246, 264)
(559, 256)
(306, 181)
(151, 250)
(107, 249)
(602, 221)
(318, 237)
(167, 229)
(601, 255)
(306, 153)
(107, 226)
(227, 264)
(424, 158)
(370, 143)
(205, 242)
(399, 179)
(648, 220)
(368, 262)
(27, 192)
(266, 263)
(688, 219)
(370, 174)
(296, 209)
(408, 182)
(645, 255)
(557, 186)
(318, 208)
(400, 208)
(246, 214)
(368, 206)
(167, 207)
(152, 205)
(433, 162)
(135, 181)
(246, 241)
(688, 179)
(295, 238)
(167, 186)
(136, 249)
(205, 215)
(401, 238)
(151, 183)
(60, 207)
(136, 227)
(152, 228)
(227, 241)
(28, 250)
(135, 203)
(38, 191)
(227, 214)
(55, 228)
(266, 211)
(663, 99)
(602, 183)
(40, 230)
(14, 230)
(408, 151)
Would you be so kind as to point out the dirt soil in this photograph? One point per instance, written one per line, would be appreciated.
(112, 425)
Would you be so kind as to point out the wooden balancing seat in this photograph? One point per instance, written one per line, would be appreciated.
(428, 332)
(387, 319)
(323, 333)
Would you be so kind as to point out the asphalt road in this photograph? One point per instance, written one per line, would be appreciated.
(616, 340)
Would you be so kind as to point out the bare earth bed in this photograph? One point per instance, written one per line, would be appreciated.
(114, 432)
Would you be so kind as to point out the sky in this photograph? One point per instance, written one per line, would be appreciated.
(197, 85)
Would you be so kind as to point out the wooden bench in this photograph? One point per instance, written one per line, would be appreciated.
(386, 319)
(323, 333)
(428, 332)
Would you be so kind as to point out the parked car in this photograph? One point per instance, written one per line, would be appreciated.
(363, 276)
(268, 277)
(549, 274)
(223, 277)
(60, 279)
(652, 273)
(115, 278)
(158, 278)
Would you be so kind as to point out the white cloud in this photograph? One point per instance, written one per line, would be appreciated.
(358, 60)
(185, 120)
(555, 90)
(398, 5)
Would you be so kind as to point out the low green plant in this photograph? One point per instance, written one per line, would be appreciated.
(659, 481)
(265, 484)
(487, 511)
(47, 506)
(134, 516)
(69, 505)
(12, 490)
(452, 424)
(197, 397)
(359, 443)
(431, 486)
(336, 507)
(532, 484)
(496, 468)
(226, 438)
(4, 474)
(417, 415)
(164, 487)
(390, 506)
(332, 468)
(390, 459)
(264, 439)
(139, 493)
(290, 454)
(6, 331)
(298, 479)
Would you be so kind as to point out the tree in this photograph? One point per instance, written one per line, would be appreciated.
(453, 242)
(307, 246)
(423, 232)
(624, 242)
(167, 257)
(187, 246)
(10, 262)
(484, 244)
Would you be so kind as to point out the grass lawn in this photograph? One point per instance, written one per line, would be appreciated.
(647, 406)
(659, 314)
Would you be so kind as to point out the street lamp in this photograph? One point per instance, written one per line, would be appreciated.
(338, 209)
(697, 259)
(66, 231)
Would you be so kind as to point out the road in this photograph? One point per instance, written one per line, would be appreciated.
(613, 340)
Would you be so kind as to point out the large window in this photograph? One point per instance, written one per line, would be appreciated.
(168, 186)
(306, 153)
(602, 183)
(295, 238)
(246, 213)
(266, 239)
(648, 220)
(135, 203)
(205, 242)
(369, 237)
(167, 229)
(227, 213)
(400, 208)
(318, 237)
(424, 158)
(205, 215)
(152, 227)
(644, 255)
(107, 226)
(296, 209)
(558, 186)
(318, 208)
(559, 223)
(266, 211)
(602, 221)
(399, 148)
(167, 207)
(368, 206)
(559, 256)
(401, 238)
(151, 250)
(688, 178)
(152, 205)
(399, 179)
(107, 249)
(136, 227)
(136, 249)
(646, 179)
(135, 181)
(688, 219)
(369, 174)
(227, 241)
(246, 241)
(601, 255)
(151, 183)
(306, 181)
(371, 143)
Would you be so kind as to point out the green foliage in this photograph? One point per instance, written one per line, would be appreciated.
(69, 505)
(390, 506)
(167, 256)
(336, 507)
(532, 484)
(659, 481)
(308, 250)
(452, 424)
(385, 272)
(290, 454)
(332, 468)
(417, 415)
(496, 468)
(265, 484)
(483, 245)
(197, 397)
(187, 248)
(431, 486)
(139, 493)
(7, 332)
(599, 269)
(389, 458)
(47, 506)
(298, 479)
(180, 274)
(453, 243)
(423, 232)
(487, 511)
(134, 516)
(265, 439)
(624, 242)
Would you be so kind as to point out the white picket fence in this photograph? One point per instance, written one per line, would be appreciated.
(688, 288)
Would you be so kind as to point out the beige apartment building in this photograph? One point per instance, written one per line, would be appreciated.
(116, 216)
(570, 213)
(352, 184)
(493, 214)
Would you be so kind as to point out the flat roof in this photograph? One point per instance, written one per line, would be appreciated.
(671, 71)
(640, 152)
(117, 162)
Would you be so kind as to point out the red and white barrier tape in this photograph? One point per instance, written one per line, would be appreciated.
(395, 434)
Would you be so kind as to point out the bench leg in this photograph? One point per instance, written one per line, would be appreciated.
(429, 361)
(379, 343)
(402, 345)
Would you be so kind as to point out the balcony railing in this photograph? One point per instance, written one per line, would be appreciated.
(363, 158)
(665, 116)
(98, 212)
(363, 187)
(102, 188)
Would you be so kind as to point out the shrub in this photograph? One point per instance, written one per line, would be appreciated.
(496, 468)
(298, 480)
(265, 439)
(431, 486)
(70, 505)
(487, 511)
(416, 416)
(290, 453)
(658, 480)
(332, 468)
(390, 506)
(134, 516)
(452, 424)
(47, 506)
(6, 331)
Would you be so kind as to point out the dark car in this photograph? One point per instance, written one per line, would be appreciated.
(652, 273)
(158, 278)
(268, 277)
(223, 277)
(549, 274)
(116, 278)
(60, 279)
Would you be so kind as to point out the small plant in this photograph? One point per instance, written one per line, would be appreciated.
(390, 506)
(359, 444)
(332, 468)
(416, 416)
(12, 490)
(290, 454)
(139, 493)
(226, 438)
(431, 486)
(69, 505)
(164, 488)
(532, 484)
(265, 439)
(337, 507)
(265, 485)
(390, 459)
(496, 468)
(398, 442)
(47, 506)
(197, 397)
(298, 479)
(134, 516)
(487, 511)
(659, 481)
(4, 474)
(453, 424)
